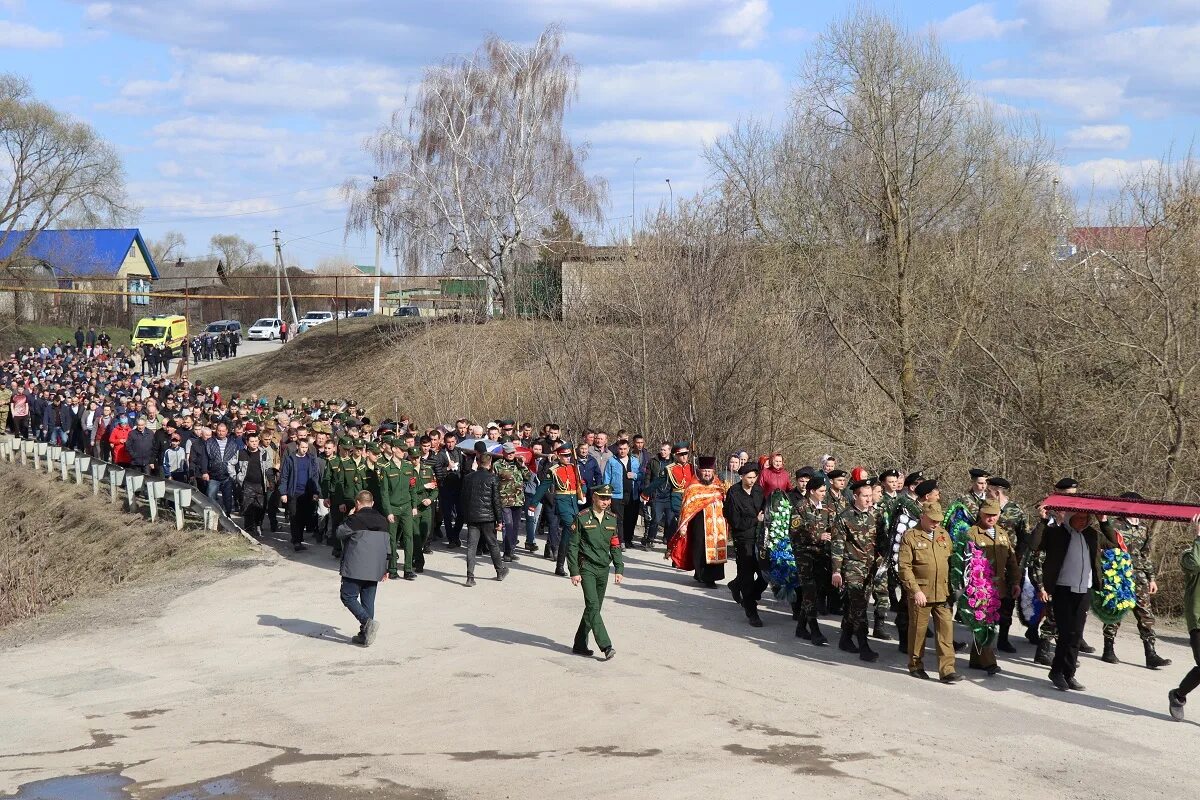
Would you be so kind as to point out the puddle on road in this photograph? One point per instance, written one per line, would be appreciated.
(109, 786)
(806, 759)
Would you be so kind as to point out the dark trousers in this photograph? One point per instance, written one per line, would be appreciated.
(514, 523)
(448, 504)
(359, 597)
(254, 506)
(485, 531)
(1192, 679)
(659, 509)
(749, 581)
(302, 514)
(618, 511)
(632, 511)
(1070, 612)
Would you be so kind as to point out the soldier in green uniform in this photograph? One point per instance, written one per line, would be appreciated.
(397, 479)
(512, 473)
(594, 547)
(6, 396)
(974, 496)
(999, 547)
(884, 581)
(835, 501)
(1016, 525)
(925, 574)
(1137, 543)
(810, 535)
(854, 553)
(345, 481)
(424, 497)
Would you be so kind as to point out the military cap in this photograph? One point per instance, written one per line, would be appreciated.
(914, 478)
(836, 473)
(889, 473)
(359, 444)
(352, 423)
(413, 452)
(989, 507)
(345, 441)
(509, 447)
(1066, 483)
(805, 472)
(564, 450)
(389, 440)
(680, 447)
(863, 483)
(603, 490)
(373, 447)
(977, 473)
(749, 468)
(506, 422)
(1003, 483)
(933, 510)
(926, 486)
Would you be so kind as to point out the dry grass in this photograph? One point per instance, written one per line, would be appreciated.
(61, 543)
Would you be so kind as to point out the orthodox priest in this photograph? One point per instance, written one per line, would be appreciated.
(702, 534)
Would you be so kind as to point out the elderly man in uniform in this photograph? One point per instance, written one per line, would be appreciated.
(594, 547)
(1000, 548)
(925, 575)
(1014, 522)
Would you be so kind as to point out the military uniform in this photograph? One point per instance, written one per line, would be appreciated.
(884, 580)
(594, 547)
(823, 566)
(678, 476)
(511, 476)
(924, 566)
(854, 556)
(1000, 548)
(5, 398)
(1137, 543)
(1046, 629)
(424, 489)
(566, 487)
(396, 482)
(808, 525)
(344, 479)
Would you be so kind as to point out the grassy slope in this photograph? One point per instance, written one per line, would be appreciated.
(14, 336)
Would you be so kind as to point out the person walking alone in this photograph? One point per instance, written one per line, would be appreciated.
(364, 544)
(590, 551)
(482, 513)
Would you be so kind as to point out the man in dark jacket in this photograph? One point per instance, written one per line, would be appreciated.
(365, 547)
(744, 512)
(1069, 575)
(299, 488)
(448, 471)
(482, 513)
(140, 446)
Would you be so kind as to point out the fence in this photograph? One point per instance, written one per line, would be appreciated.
(136, 492)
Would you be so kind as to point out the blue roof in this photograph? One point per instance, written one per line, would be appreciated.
(78, 253)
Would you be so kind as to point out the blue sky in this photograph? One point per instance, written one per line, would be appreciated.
(242, 116)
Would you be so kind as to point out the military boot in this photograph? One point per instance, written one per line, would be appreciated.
(847, 642)
(814, 633)
(1153, 659)
(1110, 652)
(1002, 643)
(802, 631)
(1043, 656)
(879, 632)
(864, 647)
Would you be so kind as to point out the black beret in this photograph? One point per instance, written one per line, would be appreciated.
(837, 473)
(1003, 483)
(805, 472)
(914, 477)
(1066, 483)
(926, 486)
(861, 484)
(889, 473)
(814, 483)
(977, 473)
(747, 468)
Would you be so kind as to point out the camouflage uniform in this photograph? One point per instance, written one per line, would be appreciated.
(1035, 560)
(1137, 542)
(835, 504)
(1014, 521)
(853, 552)
(807, 524)
(512, 476)
(883, 582)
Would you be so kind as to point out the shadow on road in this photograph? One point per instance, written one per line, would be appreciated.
(510, 636)
(304, 627)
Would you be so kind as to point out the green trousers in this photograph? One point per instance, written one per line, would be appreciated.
(400, 535)
(422, 527)
(594, 584)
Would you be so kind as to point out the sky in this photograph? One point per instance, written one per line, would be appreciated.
(245, 116)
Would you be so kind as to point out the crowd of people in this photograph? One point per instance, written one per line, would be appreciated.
(382, 495)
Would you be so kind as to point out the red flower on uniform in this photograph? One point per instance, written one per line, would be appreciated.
(615, 542)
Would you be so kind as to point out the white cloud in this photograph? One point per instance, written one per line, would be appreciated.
(672, 133)
(976, 22)
(1091, 98)
(1099, 137)
(1069, 17)
(687, 87)
(1103, 174)
(746, 23)
(20, 36)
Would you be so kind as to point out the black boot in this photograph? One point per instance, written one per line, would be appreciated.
(802, 627)
(847, 642)
(1043, 655)
(879, 633)
(814, 633)
(1153, 659)
(1031, 635)
(1110, 653)
(796, 615)
(864, 647)
(1084, 647)
(1003, 644)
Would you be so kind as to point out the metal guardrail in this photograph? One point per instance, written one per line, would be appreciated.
(134, 490)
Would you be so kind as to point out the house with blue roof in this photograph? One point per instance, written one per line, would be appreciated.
(100, 260)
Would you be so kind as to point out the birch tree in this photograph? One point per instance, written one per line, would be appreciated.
(473, 169)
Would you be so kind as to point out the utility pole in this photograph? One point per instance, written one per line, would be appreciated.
(378, 307)
(633, 212)
(278, 280)
(280, 268)
(396, 252)
(671, 189)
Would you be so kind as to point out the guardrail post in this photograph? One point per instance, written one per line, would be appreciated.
(6, 447)
(156, 489)
(182, 498)
(82, 464)
(40, 450)
(97, 475)
(55, 452)
(133, 483)
(116, 476)
(67, 462)
(28, 448)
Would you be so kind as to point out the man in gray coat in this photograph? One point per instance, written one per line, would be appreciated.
(365, 548)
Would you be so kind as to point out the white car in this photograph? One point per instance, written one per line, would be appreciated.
(266, 328)
(314, 318)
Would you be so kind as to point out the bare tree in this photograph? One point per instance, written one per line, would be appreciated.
(236, 252)
(476, 166)
(52, 168)
(171, 245)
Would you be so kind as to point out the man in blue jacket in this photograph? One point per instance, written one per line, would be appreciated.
(589, 468)
(623, 473)
(299, 489)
